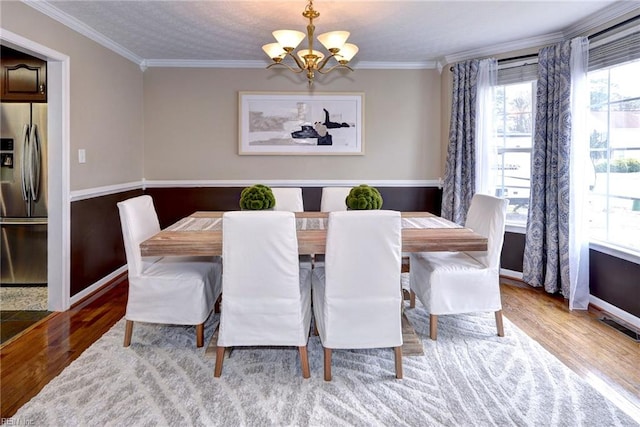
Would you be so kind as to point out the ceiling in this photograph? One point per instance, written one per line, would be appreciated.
(390, 34)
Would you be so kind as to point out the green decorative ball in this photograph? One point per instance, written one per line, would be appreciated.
(257, 197)
(364, 197)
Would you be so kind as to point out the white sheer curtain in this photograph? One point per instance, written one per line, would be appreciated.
(579, 158)
(485, 141)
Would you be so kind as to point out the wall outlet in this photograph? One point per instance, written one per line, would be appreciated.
(82, 156)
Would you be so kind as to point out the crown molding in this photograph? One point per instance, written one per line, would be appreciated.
(204, 63)
(54, 13)
(497, 49)
(363, 65)
(602, 17)
(596, 20)
(381, 65)
(599, 18)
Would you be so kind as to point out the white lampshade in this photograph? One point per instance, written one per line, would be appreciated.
(273, 50)
(303, 52)
(333, 39)
(347, 52)
(289, 38)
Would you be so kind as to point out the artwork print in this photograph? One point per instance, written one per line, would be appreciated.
(299, 124)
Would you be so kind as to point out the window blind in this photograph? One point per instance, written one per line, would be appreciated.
(622, 50)
(518, 73)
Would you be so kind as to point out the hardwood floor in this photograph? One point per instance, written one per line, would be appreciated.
(32, 359)
(604, 357)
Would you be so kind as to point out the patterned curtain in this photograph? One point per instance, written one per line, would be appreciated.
(548, 247)
(459, 174)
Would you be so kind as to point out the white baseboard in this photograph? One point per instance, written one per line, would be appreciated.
(511, 274)
(97, 285)
(615, 311)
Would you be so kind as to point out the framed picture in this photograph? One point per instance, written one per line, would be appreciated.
(276, 123)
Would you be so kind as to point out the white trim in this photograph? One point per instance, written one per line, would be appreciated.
(381, 65)
(516, 228)
(612, 12)
(528, 43)
(97, 285)
(615, 311)
(615, 251)
(511, 274)
(601, 17)
(59, 119)
(104, 191)
(204, 63)
(597, 19)
(290, 183)
(363, 65)
(53, 12)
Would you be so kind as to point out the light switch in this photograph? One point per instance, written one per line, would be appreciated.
(82, 156)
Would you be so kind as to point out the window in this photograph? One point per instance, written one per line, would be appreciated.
(514, 106)
(614, 129)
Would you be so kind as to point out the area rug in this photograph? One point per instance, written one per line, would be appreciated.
(468, 377)
(23, 298)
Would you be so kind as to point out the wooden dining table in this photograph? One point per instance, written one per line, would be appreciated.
(200, 234)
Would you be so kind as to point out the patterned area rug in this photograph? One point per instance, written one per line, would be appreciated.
(27, 298)
(468, 377)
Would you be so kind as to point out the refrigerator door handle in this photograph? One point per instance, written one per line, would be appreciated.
(25, 162)
(34, 175)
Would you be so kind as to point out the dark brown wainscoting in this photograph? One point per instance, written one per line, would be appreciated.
(512, 251)
(175, 203)
(97, 249)
(615, 281)
(96, 239)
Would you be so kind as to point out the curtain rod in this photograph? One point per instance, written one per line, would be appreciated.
(614, 27)
(513, 58)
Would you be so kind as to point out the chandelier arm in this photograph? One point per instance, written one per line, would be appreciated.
(298, 61)
(324, 61)
(334, 67)
(285, 65)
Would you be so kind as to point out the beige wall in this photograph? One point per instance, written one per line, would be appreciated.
(106, 100)
(191, 125)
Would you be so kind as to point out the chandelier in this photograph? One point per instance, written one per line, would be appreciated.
(309, 59)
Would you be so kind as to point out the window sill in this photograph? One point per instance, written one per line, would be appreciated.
(615, 251)
(516, 228)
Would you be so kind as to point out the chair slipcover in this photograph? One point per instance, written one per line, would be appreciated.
(356, 294)
(288, 199)
(464, 282)
(334, 199)
(170, 290)
(266, 292)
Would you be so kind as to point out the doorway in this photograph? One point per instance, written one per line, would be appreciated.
(58, 119)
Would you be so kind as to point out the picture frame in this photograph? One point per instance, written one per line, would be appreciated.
(296, 123)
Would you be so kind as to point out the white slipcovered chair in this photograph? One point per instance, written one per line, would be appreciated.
(266, 291)
(334, 199)
(464, 282)
(288, 199)
(168, 290)
(356, 294)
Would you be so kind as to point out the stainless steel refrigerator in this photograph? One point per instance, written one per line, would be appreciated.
(23, 194)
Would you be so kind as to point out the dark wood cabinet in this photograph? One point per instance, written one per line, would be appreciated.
(23, 78)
